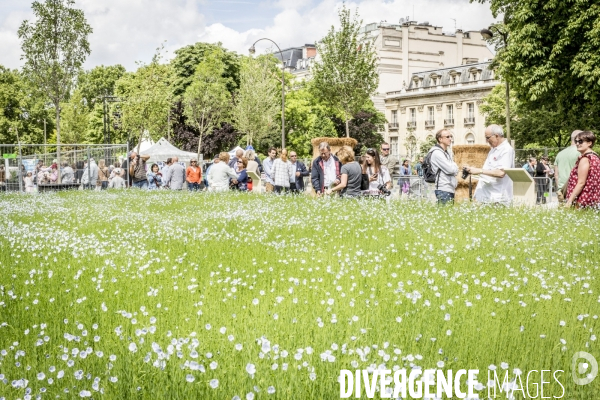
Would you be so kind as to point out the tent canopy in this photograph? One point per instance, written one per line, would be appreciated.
(163, 150)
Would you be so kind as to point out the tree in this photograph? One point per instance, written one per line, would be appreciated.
(75, 117)
(146, 99)
(187, 59)
(54, 48)
(363, 127)
(97, 82)
(257, 102)
(22, 107)
(207, 100)
(346, 77)
(552, 58)
(306, 118)
(549, 125)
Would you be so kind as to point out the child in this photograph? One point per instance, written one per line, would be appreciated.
(29, 187)
(117, 182)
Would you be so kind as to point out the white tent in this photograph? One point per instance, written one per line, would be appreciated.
(163, 150)
(232, 152)
(146, 142)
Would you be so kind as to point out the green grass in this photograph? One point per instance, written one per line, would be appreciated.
(414, 283)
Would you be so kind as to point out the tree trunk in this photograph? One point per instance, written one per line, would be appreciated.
(347, 128)
(57, 107)
(140, 141)
(199, 147)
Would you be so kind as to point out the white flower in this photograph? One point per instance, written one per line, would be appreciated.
(190, 378)
(132, 347)
(214, 383)
(250, 368)
(271, 389)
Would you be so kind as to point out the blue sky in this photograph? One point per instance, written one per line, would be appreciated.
(126, 31)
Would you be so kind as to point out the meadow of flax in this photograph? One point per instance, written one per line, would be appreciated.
(234, 296)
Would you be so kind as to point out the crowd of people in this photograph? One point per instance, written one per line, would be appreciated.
(576, 171)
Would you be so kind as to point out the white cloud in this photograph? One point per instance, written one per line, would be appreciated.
(130, 31)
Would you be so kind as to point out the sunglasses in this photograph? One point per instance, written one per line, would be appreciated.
(488, 137)
(447, 137)
(579, 141)
(386, 149)
(240, 162)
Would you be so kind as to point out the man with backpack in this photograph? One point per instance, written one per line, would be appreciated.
(439, 169)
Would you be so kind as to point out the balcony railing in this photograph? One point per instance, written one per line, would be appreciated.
(470, 121)
(411, 124)
(429, 124)
(393, 125)
(449, 122)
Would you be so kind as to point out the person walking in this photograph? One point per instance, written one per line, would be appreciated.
(387, 160)
(268, 169)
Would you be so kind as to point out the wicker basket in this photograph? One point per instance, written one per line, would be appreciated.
(334, 143)
(473, 155)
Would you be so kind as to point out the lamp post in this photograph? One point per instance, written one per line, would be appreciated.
(252, 50)
(488, 34)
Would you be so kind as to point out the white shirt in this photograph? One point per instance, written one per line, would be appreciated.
(293, 169)
(329, 171)
(497, 190)
(219, 175)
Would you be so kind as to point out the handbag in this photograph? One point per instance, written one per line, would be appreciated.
(364, 182)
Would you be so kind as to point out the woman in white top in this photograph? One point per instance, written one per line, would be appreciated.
(252, 164)
(282, 173)
(378, 174)
(220, 174)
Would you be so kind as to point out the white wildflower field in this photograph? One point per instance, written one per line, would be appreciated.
(168, 295)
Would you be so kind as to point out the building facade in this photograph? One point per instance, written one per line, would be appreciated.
(440, 98)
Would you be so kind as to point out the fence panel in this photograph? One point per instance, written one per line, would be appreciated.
(18, 160)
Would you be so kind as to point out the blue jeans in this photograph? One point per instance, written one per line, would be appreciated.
(444, 197)
(140, 184)
(193, 186)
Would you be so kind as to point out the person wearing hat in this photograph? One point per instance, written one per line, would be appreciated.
(193, 175)
(117, 181)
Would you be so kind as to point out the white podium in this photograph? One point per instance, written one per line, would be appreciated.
(523, 186)
(256, 182)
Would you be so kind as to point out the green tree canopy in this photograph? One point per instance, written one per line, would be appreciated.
(552, 60)
(97, 82)
(207, 100)
(346, 76)
(54, 47)
(187, 59)
(22, 107)
(257, 104)
(146, 98)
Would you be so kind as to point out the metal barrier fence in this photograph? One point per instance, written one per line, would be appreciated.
(18, 160)
(544, 189)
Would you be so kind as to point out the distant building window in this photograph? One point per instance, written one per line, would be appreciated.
(413, 114)
(394, 145)
(394, 116)
(430, 114)
(471, 110)
(450, 112)
(470, 138)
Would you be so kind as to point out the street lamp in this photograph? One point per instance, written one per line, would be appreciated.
(252, 50)
(487, 35)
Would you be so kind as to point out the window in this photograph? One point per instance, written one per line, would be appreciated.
(450, 112)
(471, 110)
(394, 145)
(430, 114)
(470, 138)
(413, 115)
(394, 116)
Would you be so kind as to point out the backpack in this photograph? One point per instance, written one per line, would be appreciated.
(427, 168)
